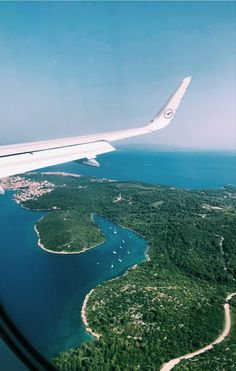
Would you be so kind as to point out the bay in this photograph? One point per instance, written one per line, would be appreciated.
(43, 292)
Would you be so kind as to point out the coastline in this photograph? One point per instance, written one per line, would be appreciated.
(84, 318)
(85, 302)
(40, 244)
(88, 329)
(133, 231)
(64, 252)
(83, 310)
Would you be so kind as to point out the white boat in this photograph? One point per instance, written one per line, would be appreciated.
(128, 252)
(112, 266)
(115, 231)
(123, 241)
(120, 247)
(97, 262)
(114, 252)
(120, 260)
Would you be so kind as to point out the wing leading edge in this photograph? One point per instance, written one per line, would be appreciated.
(19, 158)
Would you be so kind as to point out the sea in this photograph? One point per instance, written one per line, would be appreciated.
(42, 292)
(179, 168)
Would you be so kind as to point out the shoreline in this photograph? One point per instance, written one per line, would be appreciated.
(40, 244)
(225, 332)
(83, 309)
(133, 231)
(84, 318)
(85, 302)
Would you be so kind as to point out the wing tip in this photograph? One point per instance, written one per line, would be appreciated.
(187, 79)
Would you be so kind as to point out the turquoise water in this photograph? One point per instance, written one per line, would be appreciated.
(42, 292)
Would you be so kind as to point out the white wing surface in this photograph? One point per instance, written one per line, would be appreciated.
(19, 158)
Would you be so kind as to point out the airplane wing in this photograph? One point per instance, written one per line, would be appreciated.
(20, 158)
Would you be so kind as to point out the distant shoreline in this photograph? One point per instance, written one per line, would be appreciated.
(152, 147)
(60, 173)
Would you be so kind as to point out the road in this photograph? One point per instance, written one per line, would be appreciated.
(173, 362)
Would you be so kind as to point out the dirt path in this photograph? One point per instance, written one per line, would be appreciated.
(173, 362)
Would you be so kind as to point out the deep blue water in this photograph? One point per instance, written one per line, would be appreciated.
(44, 292)
(192, 170)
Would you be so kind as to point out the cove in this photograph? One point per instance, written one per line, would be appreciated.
(43, 292)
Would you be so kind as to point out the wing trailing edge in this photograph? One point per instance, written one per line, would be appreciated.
(22, 163)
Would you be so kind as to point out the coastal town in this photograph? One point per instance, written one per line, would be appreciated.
(27, 189)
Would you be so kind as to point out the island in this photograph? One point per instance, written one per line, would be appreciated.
(168, 306)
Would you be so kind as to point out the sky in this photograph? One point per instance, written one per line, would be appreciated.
(75, 68)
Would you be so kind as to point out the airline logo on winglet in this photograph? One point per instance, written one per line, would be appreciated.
(168, 113)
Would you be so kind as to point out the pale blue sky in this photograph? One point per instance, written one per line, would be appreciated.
(71, 68)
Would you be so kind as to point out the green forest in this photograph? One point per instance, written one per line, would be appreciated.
(222, 357)
(167, 306)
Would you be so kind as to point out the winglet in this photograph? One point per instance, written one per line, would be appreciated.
(167, 112)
